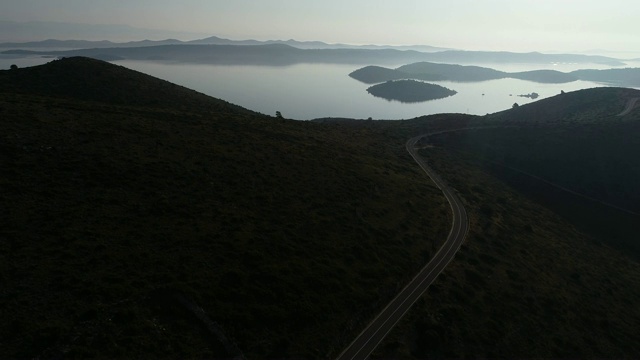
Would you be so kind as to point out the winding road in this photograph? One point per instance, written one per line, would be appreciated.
(378, 329)
(630, 105)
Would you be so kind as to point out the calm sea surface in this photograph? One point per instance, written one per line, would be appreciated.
(309, 91)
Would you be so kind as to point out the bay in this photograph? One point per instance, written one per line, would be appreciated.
(309, 91)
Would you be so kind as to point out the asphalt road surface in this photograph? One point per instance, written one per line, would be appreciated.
(378, 329)
(630, 105)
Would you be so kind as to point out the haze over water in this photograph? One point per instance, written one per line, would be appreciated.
(309, 91)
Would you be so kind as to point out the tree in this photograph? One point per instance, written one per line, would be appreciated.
(13, 67)
(279, 115)
(515, 105)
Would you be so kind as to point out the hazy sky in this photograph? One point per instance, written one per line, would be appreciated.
(517, 25)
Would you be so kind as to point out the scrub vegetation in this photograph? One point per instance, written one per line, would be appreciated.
(143, 219)
(117, 212)
(550, 267)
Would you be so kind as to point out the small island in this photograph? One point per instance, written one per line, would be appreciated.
(410, 91)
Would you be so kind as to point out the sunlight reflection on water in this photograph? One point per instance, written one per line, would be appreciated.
(308, 91)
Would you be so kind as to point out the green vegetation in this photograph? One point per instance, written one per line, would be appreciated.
(409, 91)
(143, 219)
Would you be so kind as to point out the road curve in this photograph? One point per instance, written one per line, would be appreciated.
(378, 329)
(630, 105)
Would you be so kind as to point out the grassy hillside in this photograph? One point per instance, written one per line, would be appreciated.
(526, 284)
(129, 203)
(92, 80)
(142, 219)
(575, 155)
(534, 279)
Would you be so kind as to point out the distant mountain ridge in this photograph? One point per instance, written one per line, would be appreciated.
(269, 54)
(212, 40)
(279, 54)
(515, 57)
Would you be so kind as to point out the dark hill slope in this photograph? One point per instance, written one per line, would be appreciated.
(578, 144)
(94, 80)
(525, 284)
(129, 203)
(127, 230)
(533, 279)
(589, 105)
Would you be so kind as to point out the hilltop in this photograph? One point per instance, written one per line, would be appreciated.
(148, 220)
(93, 80)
